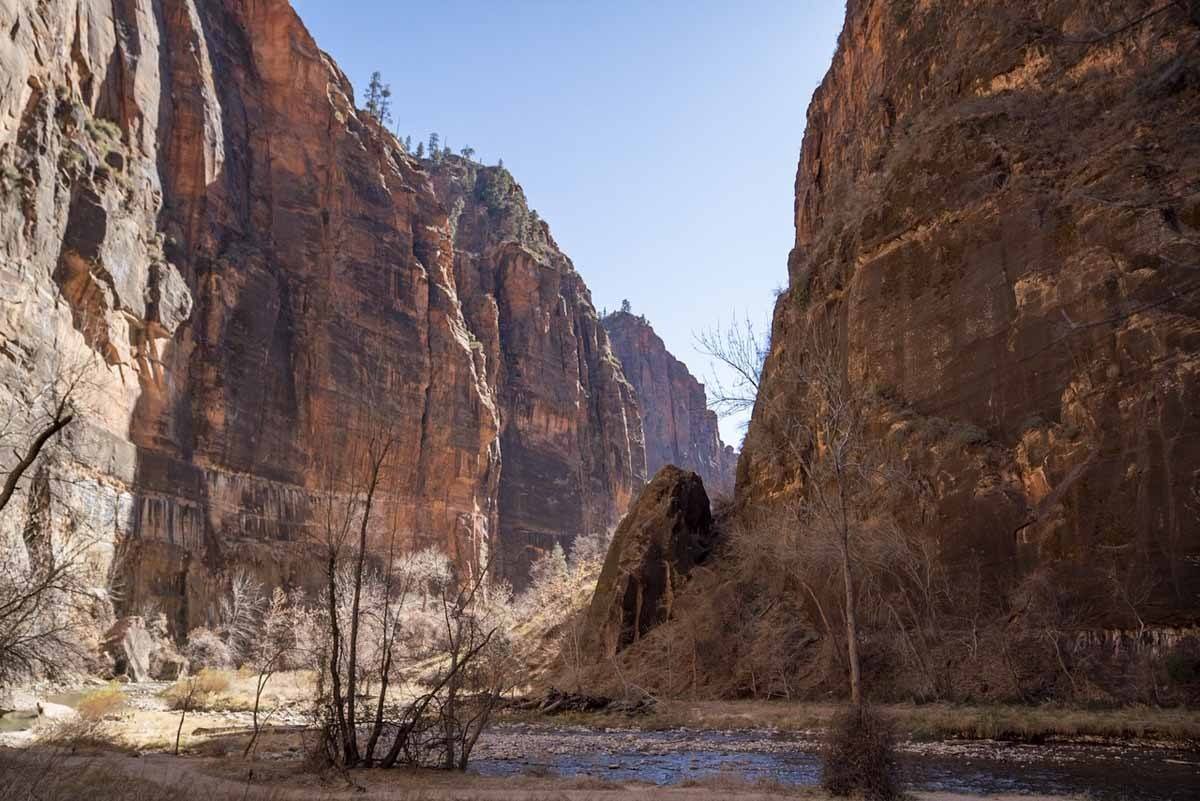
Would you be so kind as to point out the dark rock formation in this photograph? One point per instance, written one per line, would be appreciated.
(679, 427)
(668, 531)
(997, 206)
(192, 207)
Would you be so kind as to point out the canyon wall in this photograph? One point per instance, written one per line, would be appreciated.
(248, 275)
(679, 427)
(570, 429)
(998, 211)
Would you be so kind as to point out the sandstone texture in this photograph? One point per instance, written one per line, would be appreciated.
(998, 207)
(242, 268)
(570, 430)
(678, 426)
(666, 534)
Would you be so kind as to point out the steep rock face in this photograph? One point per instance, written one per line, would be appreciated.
(998, 206)
(247, 272)
(668, 531)
(570, 431)
(252, 264)
(679, 427)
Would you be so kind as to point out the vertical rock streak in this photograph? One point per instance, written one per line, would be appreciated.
(997, 206)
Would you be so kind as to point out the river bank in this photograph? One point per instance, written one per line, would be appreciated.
(56, 776)
(1050, 723)
(750, 747)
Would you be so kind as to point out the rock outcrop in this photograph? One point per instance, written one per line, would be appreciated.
(678, 426)
(246, 272)
(666, 534)
(141, 652)
(997, 207)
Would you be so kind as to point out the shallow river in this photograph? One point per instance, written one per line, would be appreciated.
(1103, 773)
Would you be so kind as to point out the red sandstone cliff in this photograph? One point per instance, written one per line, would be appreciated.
(999, 205)
(570, 431)
(679, 427)
(192, 203)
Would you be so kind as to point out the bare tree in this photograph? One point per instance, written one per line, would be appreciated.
(741, 349)
(241, 610)
(354, 476)
(381, 634)
(190, 689)
(848, 479)
(276, 641)
(44, 591)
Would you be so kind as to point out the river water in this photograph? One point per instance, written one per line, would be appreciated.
(1099, 772)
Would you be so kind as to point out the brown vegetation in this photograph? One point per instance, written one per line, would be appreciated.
(860, 756)
(931, 618)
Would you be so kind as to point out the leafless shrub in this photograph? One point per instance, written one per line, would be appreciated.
(240, 611)
(410, 652)
(860, 757)
(206, 649)
(283, 622)
(551, 611)
(189, 689)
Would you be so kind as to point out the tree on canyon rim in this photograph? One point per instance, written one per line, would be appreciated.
(378, 99)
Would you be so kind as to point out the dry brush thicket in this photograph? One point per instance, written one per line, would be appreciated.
(551, 613)
(849, 557)
(413, 650)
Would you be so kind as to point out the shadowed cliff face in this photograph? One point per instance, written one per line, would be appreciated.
(570, 431)
(192, 200)
(679, 427)
(997, 205)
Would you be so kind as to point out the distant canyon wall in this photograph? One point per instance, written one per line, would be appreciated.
(679, 427)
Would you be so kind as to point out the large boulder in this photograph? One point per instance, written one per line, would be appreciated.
(141, 651)
(668, 531)
(129, 644)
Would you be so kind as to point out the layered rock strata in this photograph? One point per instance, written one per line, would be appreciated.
(570, 427)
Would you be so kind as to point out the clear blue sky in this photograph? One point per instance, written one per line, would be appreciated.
(658, 139)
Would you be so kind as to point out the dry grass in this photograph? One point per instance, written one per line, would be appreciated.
(728, 782)
(98, 705)
(226, 691)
